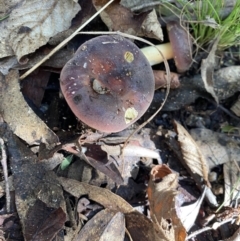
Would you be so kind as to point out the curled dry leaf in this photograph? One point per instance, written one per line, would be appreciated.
(100, 195)
(138, 225)
(99, 159)
(13, 107)
(139, 5)
(151, 27)
(231, 182)
(109, 151)
(32, 23)
(78, 20)
(236, 108)
(33, 87)
(207, 71)
(217, 148)
(227, 82)
(190, 212)
(162, 198)
(131, 149)
(40, 218)
(119, 18)
(192, 155)
(108, 225)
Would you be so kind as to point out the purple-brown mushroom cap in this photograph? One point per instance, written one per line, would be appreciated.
(108, 84)
(181, 43)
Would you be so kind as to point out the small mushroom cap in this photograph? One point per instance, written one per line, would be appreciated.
(181, 43)
(108, 84)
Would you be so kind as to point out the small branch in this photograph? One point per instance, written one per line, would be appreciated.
(64, 42)
(5, 173)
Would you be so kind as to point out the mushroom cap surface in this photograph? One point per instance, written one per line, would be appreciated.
(108, 84)
(181, 43)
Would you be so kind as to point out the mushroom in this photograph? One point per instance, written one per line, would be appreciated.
(179, 48)
(108, 84)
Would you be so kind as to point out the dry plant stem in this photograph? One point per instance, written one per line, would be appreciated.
(5, 173)
(62, 44)
(194, 234)
(208, 228)
(128, 234)
(151, 118)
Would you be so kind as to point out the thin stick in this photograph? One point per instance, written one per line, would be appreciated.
(158, 110)
(64, 42)
(126, 35)
(5, 173)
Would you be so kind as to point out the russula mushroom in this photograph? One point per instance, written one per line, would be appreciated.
(179, 48)
(108, 84)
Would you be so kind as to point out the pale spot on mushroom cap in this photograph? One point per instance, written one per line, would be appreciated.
(130, 115)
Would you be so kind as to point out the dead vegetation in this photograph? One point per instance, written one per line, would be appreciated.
(152, 150)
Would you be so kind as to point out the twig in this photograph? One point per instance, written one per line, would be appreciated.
(214, 227)
(198, 232)
(5, 173)
(64, 42)
(126, 35)
(165, 99)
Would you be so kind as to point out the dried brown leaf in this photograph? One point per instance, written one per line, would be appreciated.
(207, 71)
(131, 149)
(192, 155)
(100, 195)
(7, 63)
(35, 189)
(78, 20)
(33, 87)
(231, 174)
(43, 223)
(217, 148)
(151, 27)
(227, 81)
(138, 225)
(139, 5)
(108, 225)
(190, 212)
(126, 158)
(162, 198)
(99, 159)
(236, 108)
(119, 18)
(20, 117)
(32, 23)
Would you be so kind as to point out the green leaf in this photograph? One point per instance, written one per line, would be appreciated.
(229, 129)
(66, 162)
